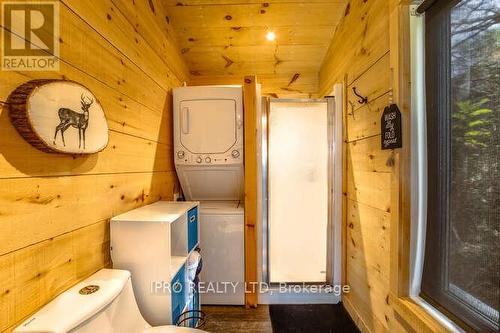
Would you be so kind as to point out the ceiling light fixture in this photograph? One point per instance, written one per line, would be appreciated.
(270, 36)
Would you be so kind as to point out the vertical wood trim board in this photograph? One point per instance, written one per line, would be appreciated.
(250, 119)
(55, 209)
(344, 181)
(361, 56)
(400, 70)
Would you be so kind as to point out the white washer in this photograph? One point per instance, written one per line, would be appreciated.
(208, 141)
(222, 243)
(208, 144)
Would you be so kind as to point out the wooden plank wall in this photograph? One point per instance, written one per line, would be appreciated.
(359, 56)
(55, 209)
(273, 85)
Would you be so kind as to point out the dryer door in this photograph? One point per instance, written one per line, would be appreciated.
(208, 126)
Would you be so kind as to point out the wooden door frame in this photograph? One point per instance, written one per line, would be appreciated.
(251, 179)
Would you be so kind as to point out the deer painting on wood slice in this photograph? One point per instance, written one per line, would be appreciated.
(75, 119)
(43, 110)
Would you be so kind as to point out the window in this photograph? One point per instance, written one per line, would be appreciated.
(461, 273)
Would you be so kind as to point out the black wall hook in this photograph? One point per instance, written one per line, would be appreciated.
(361, 100)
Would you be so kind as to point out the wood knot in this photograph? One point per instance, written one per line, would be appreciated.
(390, 161)
(152, 6)
(347, 9)
(228, 17)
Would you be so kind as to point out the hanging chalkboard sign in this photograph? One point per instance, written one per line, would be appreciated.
(391, 127)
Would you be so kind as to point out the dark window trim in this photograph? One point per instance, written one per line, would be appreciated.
(438, 109)
(425, 5)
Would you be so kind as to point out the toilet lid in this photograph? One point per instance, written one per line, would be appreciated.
(172, 329)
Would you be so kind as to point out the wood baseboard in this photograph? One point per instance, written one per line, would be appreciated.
(355, 315)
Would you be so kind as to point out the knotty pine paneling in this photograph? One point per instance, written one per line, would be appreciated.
(124, 154)
(361, 38)
(35, 274)
(34, 209)
(226, 40)
(238, 2)
(305, 85)
(143, 119)
(55, 209)
(359, 57)
(370, 113)
(245, 36)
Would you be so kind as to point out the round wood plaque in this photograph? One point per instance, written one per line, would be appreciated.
(58, 116)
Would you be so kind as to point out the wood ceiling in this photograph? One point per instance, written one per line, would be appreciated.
(224, 40)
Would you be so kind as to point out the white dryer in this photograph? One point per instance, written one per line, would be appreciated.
(208, 141)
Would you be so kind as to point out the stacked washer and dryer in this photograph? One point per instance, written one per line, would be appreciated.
(208, 144)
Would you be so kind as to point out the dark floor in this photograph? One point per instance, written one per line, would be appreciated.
(321, 318)
(311, 318)
(235, 319)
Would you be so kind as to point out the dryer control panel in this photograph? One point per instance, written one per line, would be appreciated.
(235, 156)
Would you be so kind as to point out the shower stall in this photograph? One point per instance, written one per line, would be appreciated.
(301, 196)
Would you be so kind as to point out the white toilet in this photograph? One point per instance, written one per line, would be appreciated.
(103, 303)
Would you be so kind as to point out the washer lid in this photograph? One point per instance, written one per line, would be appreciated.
(221, 207)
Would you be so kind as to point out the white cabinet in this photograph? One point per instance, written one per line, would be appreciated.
(153, 243)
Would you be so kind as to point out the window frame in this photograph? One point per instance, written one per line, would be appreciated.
(434, 286)
(407, 221)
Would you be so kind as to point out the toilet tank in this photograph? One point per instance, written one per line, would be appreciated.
(102, 303)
